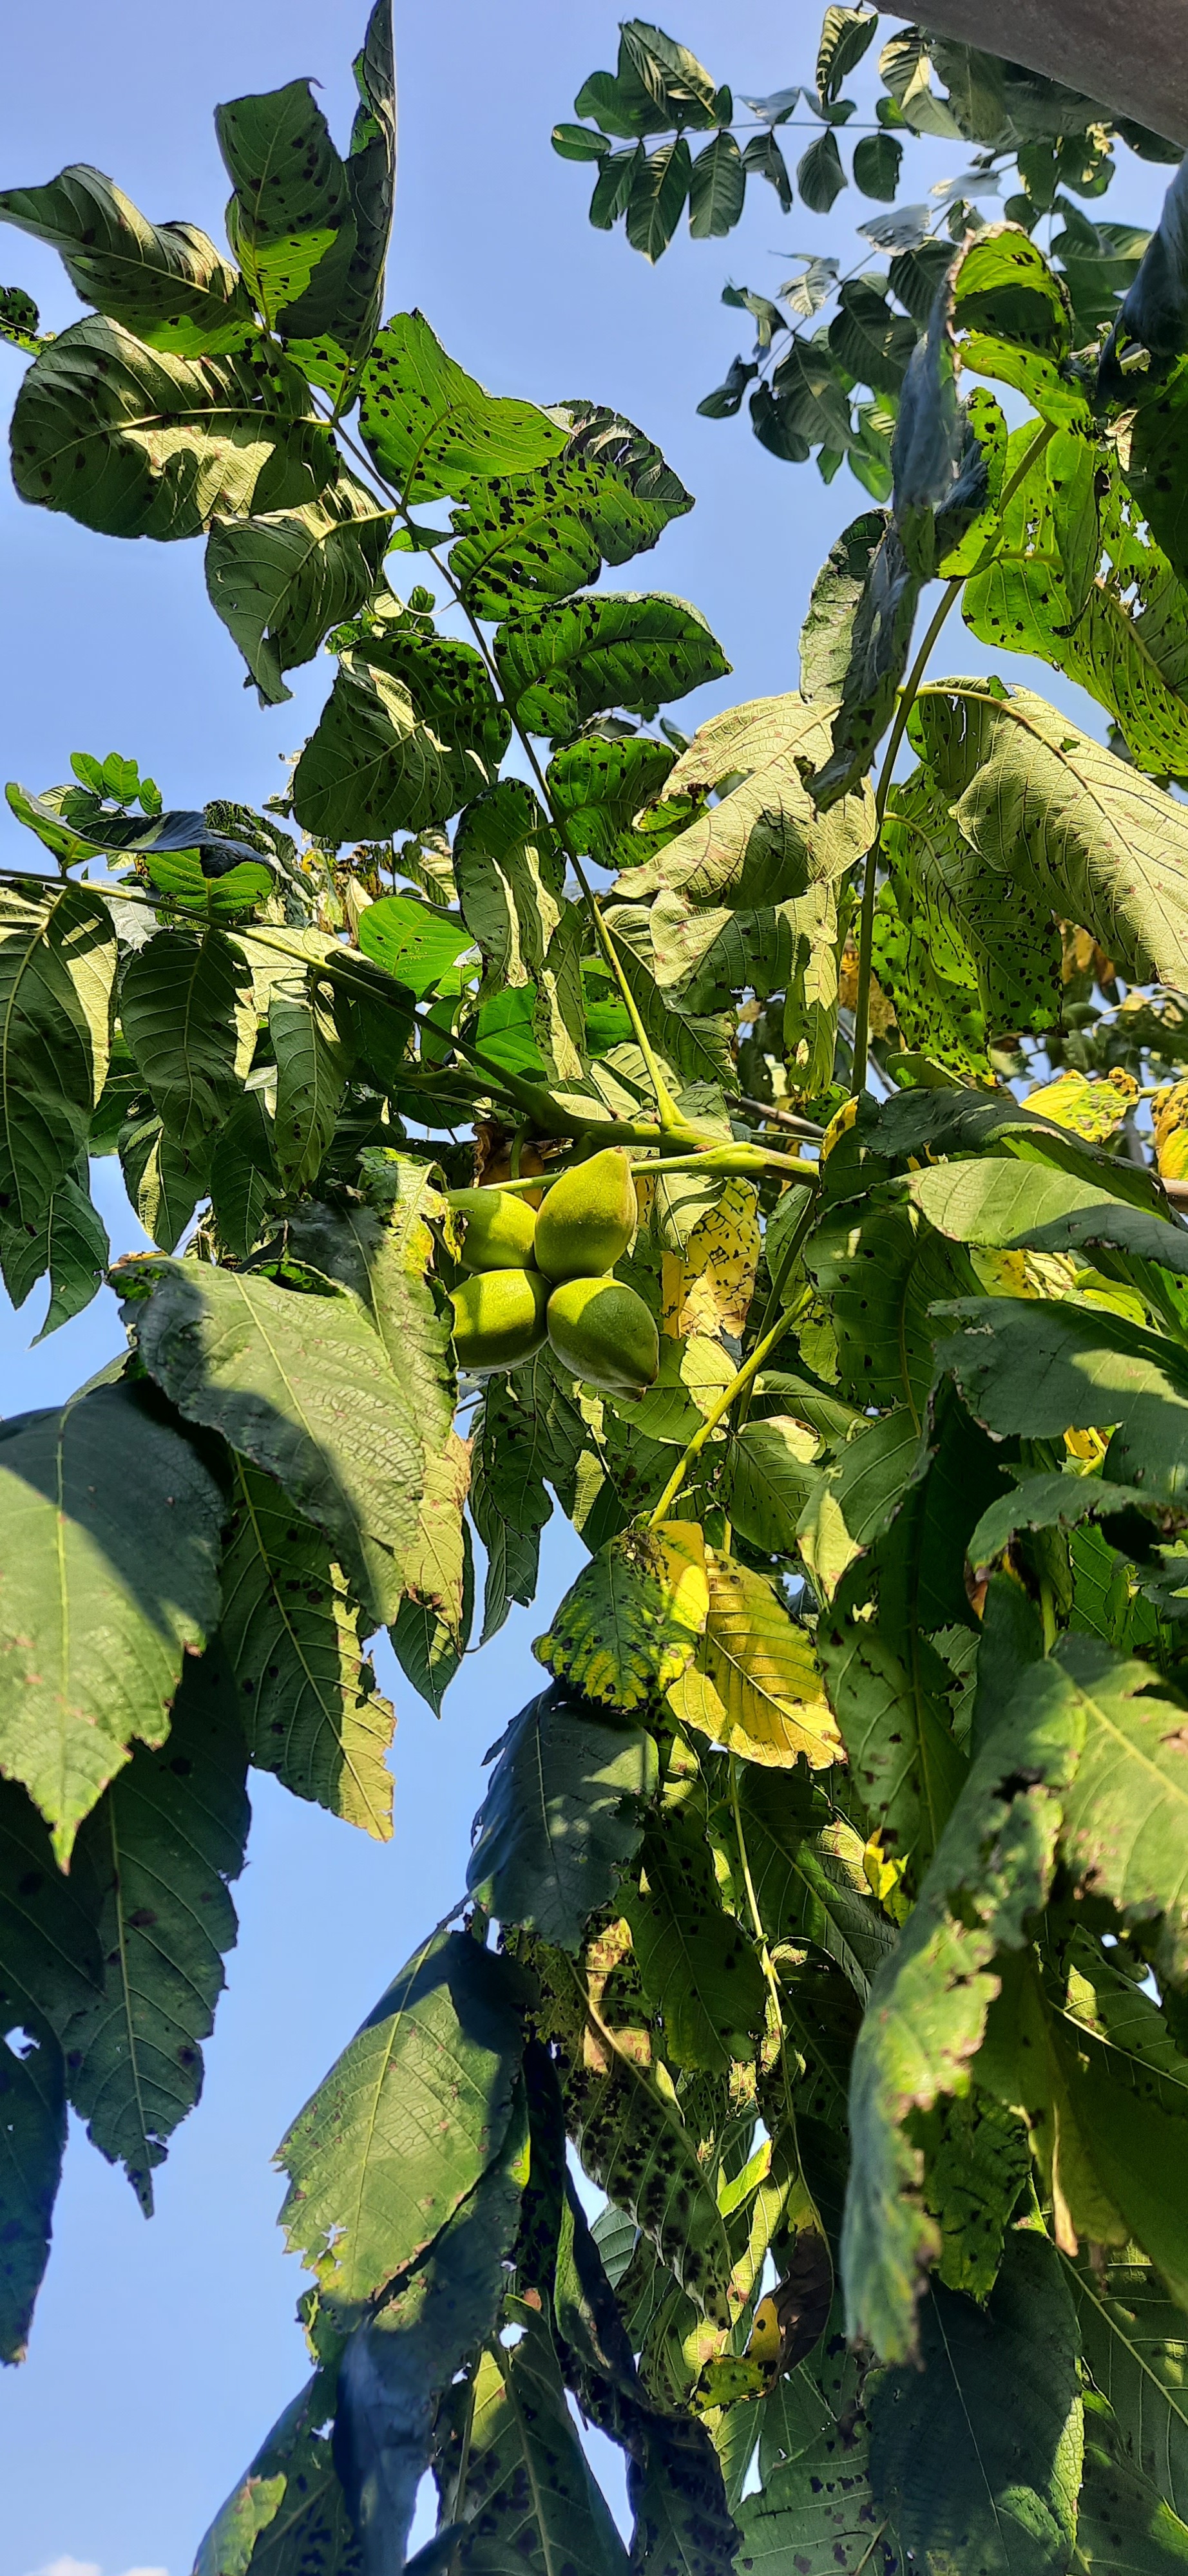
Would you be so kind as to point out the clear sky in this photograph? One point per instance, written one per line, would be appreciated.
(161, 2354)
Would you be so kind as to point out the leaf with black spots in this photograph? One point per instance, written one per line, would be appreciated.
(162, 1845)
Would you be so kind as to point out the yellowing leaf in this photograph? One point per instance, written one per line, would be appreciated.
(1171, 1132)
(708, 1287)
(628, 1626)
(1094, 1110)
(754, 1685)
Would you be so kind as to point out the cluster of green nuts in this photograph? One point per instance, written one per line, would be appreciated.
(546, 1275)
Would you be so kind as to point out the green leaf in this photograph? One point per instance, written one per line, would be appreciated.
(288, 2502)
(1012, 1206)
(600, 787)
(579, 143)
(432, 429)
(882, 1275)
(877, 161)
(32, 2145)
(510, 872)
(670, 75)
(1039, 595)
(1124, 1813)
(1011, 315)
(816, 2511)
(186, 1013)
(608, 495)
(763, 154)
(696, 1046)
(763, 840)
(379, 762)
(310, 1079)
(279, 583)
(395, 2368)
(530, 2494)
(165, 282)
(1133, 2340)
(1066, 822)
(717, 188)
(71, 1244)
(904, 67)
(819, 174)
(636, 2147)
(306, 1692)
(561, 665)
(880, 641)
(700, 1972)
(138, 443)
(290, 221)
(111, 1527)
(244, 1181)
(19, 320)
(164, 1180)
(769, 1479)
(413, 941)
(384, 1253)
(1154, 467)
(301, 1387)
(162, 1844)
(612, 187)
(50, 1963)
(976, 2458)
(627, 1627)
(1121, 2510)
(371, 185)
(561, 1817)
(57, 963)
(827, 633)
(1042, 1368)
(873, 343)
(659, 188)
(845, 36)
(407, 2121)
(807, 1867)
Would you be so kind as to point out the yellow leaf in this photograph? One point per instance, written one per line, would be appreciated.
(754, 1685)
(1094, 1110)
(708, 1287)
(628, 1626)
(1171, 1132)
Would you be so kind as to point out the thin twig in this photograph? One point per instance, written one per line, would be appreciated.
(907, 698)
(789, 1118)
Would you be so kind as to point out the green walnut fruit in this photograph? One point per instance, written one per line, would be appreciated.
(499, 1318)
(604, 1333)
(500, 1229)
(588, 1218)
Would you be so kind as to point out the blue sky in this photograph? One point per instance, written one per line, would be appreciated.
(161, 2353)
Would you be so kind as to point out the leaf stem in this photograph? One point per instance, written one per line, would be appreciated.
(742, 1379)
(907, 699)
(768, 1964)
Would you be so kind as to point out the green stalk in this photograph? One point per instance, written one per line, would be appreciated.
(907, 699)
(742, 1378)
(747, 1162)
